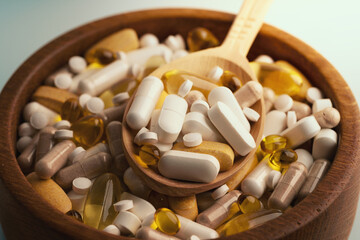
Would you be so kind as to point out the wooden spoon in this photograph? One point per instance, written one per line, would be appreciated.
(229, 56)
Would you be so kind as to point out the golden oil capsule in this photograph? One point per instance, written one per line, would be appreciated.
(280, 159)
(201, 38)
(88, 131)
(283, 82)
(273, 142)
(149, 154)
(230, 80)
(75, 214)
(249, 204)
(102, 56)
(167, 221)
(71, 110)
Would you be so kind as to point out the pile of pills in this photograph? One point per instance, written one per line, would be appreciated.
(188, 128)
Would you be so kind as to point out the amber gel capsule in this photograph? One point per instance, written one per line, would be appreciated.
(201, 38)
(88, 130)
(105, 191)
(167, 221)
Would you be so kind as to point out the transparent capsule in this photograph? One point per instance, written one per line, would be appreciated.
(75, 214)
(167, 221)
(230, 80)
(281, 159)
(201, 38)
(149, 154)
(105, 191)
(273, 142)
(249, 204)
(101, 55)
(71, 110)
(88, 131)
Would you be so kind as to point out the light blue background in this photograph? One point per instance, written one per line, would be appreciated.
(332, 27)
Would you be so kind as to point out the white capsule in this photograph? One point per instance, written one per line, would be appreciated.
(63, 134)
(313, 94)
(142, 208)
(215, 73)
(185, 88)
(39, 120)
(189, 228)
(174, 43)
(224, 94)
(63, 124)
(283, 103)
(81, 185)
(33, 107)
(25, 129)
(127, 222)
(77, 201)
(77, 64)
(273, 179)
(83, 99)
(112, 229)
(249, 94)
(136, 138)
(136, 70)
(264, 59)
(171, 118)
(251, 114)
(321, 104)
(95, 105)
(148, 138)
(144, 102)
(275, 123)
(81, 76)
(200, 106)
(291, 118)
(123, 205)
(220, 192)
(304, 157)
(179, 54)
(63, 81)
(120, 98)
(78, 154)
(22, 143)
(192, 139)
(231, 129)
(301, 131)
(148, 40)
(135, 184)
(163, 147)
(188, 166)
(140, 56)
(324, 145)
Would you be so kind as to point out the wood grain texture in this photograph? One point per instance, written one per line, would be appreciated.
(327, 213)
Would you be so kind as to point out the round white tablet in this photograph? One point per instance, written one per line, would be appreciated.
(291, 118)
(220, 192)
(95, 105)
(148, 138)
(200, 106)
(179, 54)
(25, 129)
(192, 139)
(120, 98)
(136, 138)
(77, 64)
(321, 104)
(22, 143)
(63, 134)
(251, 114)
(264, 59)
(63, 81)
(63, 124)
(123, 205)
(185, 88)
(148, 40)
(83, 99)
(313, 94)
(273, 179)
(81, 185)
(78, 153)
(283, 103)
(39, 120)
(215, 73)
(112, 229)
(127, 222)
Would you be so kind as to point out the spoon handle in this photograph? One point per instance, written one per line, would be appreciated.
(246, 25)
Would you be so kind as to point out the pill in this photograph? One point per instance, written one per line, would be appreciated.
(144, 102)
(174, 43)
(83, 98)
(288, 187)
(77, 64)
(142, 55)
(171, 118)
(249, 94)
(230, 80)
(192, 139)
(148, 138)
(197, 122)
(221, 151)
(264, 59)
(166, 221)
(27, 157)
(71, 110)
(201, 38)
(301, 131)
(123, 205)
(45, 142)
(320, 104)
(135, 71)
(200, 106)
(275, 123)
(115, 113)
(75, 214)
(63, 134)
(90, 167)
(316, 173)
(215, 73)
(135, 184)
(163, 147)
(112, 229)
(79, 77)
(142, 208)
(120, 98)
(63, 81)
(280, 159)
(215, 215)
(63, 124)
(324, 145)
(269, 98)
(301, 109)
(251, 114)
(81, 185)
(271, 143)
(184, 206)
(51, 192)
(290, 118)
(22, 143)
(283, 103)
(304, 157)
(25, 129)
(114, 138)
(220, 192)
(77, 154)
(313, 94)
(149, 154)
(179, 54)
(104, 78)
(185, 88)
(328, 117)
(193, 237)
(189, 228)
(204, 200)
(51, 78)
(100, 147)
(187, 165)
(148, 40)
(273, 179)
(181, 41)
(151, 234)
(95, 105)
(231, 129)
(249, 204)
(225, 95)
(194, 95)
(136, 138)
(54, 160)
(33, 107)
(39, 120)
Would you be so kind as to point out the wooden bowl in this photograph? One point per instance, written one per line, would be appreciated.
(327, 213)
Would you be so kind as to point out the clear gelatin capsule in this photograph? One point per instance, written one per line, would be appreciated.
(149, 154)
(166, 221)
(71, 110)
(273, 142)
(201, 38)
(281, 159)
(88, 131)
(230, 80)
(105, 191)
(249, 204)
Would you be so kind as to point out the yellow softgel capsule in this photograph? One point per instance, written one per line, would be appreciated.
(174, 78)
(102, 56)
(71, 110)
(161, 100)
(88, 131)
(280, 159)
(273, 142)
(221, 151)
(149, 154)
(201, 38)
(167, 221)
(249, 204)
(230, 80)
(283, 82)
(262, 69)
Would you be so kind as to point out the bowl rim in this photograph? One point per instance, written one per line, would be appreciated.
(299, 216)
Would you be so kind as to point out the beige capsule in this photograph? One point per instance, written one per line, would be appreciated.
(90, 167)
(27, 157)
(115, 113)
(193, 96)
(249, 94)
(184, 206)
(114, 138)
(45, 142)
(328, 117)
(301, 109)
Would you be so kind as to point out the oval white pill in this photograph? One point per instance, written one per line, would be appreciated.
(63, 134)
(313, 94)
(77, 64)
(215, 73)
(135, 70)
(321, 104)
(324, 145)
(127, 222)
(78, 153)
(273, 179)
(275, 123)
(23, 142)
(251, 114)
(25, 129)
(39, 120)
(136, 138)
(95, 105)
(192, 139)
(185, 88)
(304, 157)
(83, 99)
(200, 106)
(63, 124)
(123, 205)
(148, 138)
(63, 81)
(283, 103)
(291, 118)
(112, 229)
(173, 43)
(81, 185)
(120, 98)
(220, 192)
(142, 208)
(148, 40)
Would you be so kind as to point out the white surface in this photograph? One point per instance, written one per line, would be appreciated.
(330, 26)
